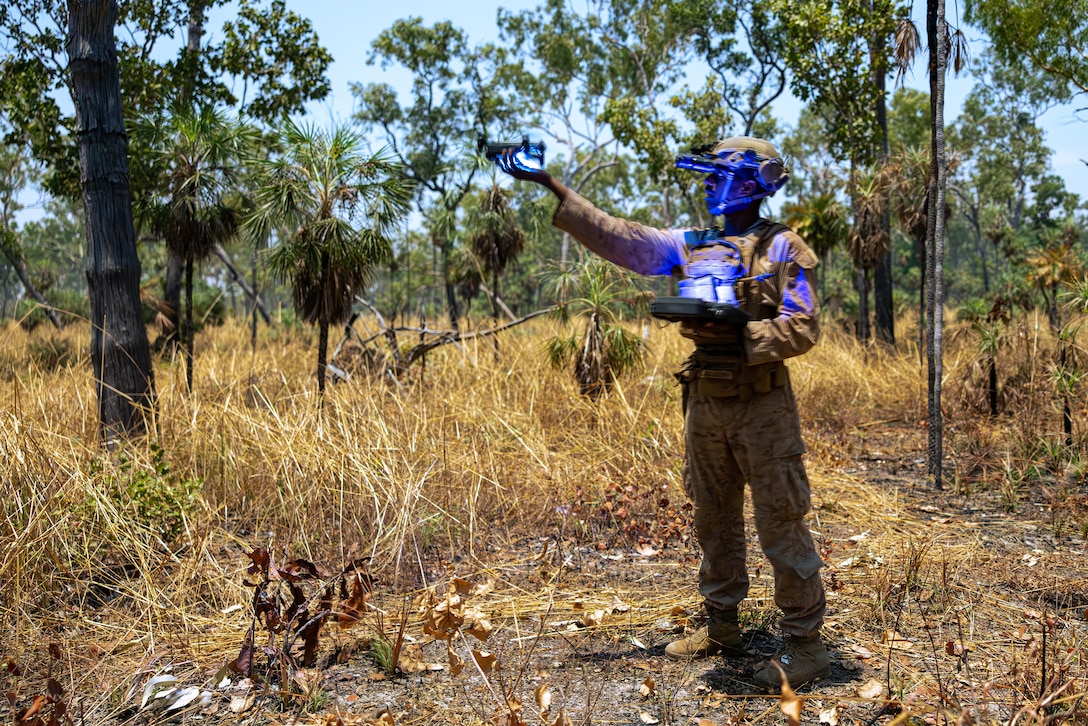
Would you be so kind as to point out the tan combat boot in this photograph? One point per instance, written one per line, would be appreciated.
(803, 660)
(721, 634)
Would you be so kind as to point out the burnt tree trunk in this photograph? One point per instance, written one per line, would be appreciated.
(187, 334)
(171, 297)
(883, 304)
(124, 382)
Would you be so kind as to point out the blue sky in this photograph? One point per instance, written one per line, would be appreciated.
(347, 29)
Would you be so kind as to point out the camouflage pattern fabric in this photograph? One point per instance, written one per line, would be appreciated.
(740, 417)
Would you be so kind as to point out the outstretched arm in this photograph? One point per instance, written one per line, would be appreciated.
(637, 247)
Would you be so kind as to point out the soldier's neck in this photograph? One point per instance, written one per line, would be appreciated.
(739, 222)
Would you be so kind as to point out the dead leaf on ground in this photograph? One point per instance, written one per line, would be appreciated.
(830, 716)
(646, 688)
(593, 619)
(648, 718)
(562, 719)
(457, 663)
(242, 703)
(543, 697)
(477, 625)
(617, 605)
(789, 703)
(896, 641)
(485, 660)
(871, 689)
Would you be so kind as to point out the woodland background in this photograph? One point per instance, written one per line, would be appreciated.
(184, 496)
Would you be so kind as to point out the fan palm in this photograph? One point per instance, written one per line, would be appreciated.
(494, 239)
(338, 205)
(195, 156)
(820, 220)
(597, 293)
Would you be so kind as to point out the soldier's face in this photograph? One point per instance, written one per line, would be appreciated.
(715, 186)
(726, 194)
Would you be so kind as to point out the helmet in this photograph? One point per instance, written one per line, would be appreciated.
(738, 159)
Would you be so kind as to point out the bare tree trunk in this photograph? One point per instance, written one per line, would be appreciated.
(861, 282)
(936, 29)
(922, 325)
(171, 295)
(239, 278)
(451, 291)
(187, 334)
(883, 302)
(322, 359)
(120, 354)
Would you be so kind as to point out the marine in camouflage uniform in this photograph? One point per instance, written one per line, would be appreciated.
(740, 417)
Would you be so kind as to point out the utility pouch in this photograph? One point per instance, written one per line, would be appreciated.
(726, 376)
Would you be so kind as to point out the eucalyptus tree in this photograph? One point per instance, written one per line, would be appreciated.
(120, 354)
(1050, 37)
(13, 178)
(839, 54)
(458, 95)
(339, 206)
(558, 62)
(200, 152)
(268, 63)
(1004, 184)
(653, 108)
(753, 72)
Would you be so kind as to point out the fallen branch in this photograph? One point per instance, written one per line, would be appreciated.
(429, 338)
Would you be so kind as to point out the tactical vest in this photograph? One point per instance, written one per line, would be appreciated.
(756, 292)
(716, 367)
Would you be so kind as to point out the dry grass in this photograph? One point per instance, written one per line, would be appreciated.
(134, 560)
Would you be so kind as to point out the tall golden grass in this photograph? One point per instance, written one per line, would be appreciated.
(139, 554)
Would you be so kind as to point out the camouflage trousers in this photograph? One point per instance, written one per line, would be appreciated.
(755, 438)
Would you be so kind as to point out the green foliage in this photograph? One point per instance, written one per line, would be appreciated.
(271, 52)
(341, 204)
(598, 294)
(381, 650)
(834, 51)
(192, 162)
(1047, 36)
(909, 124)
(153, 495)
(277, 55)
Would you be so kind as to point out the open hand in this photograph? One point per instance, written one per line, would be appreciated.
(512, 165)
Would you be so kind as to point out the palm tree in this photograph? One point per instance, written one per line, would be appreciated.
(597, 293)
(338, 206)
(197, 156)
(910, 204)
(495, 239)
(868, 241)
(821, 221)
